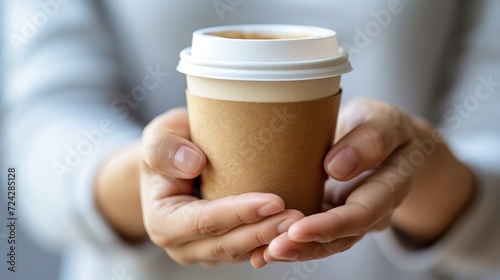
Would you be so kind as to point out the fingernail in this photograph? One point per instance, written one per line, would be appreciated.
(258, 264)
(285, 225)
(187, 160)
(289, 256)
(269, 209)
(304, 237)
(343, 163)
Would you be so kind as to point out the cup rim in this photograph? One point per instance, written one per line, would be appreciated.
(321, 32)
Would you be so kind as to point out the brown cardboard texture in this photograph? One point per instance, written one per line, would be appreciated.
(264, 147)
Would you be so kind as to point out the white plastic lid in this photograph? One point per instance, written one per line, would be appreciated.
(281, 53)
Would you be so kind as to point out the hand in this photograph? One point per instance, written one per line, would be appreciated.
(190, 229)
(379, 161)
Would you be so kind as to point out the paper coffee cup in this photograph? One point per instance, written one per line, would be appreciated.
(263, 102)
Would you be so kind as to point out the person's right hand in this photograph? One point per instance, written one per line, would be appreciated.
(193, 230)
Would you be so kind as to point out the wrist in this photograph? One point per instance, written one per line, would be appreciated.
(442, 189)
(116, 192)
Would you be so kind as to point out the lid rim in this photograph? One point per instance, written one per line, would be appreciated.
(264, 71)
(185, 55)
(262, 75)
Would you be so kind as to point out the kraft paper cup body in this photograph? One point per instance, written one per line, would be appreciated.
(270, 147)
(264, 121)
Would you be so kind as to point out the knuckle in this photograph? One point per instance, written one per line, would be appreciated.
(156, 232)
(396, 117)
(324, 250)
(160, 240)
(260, 239)
(367, 221)
(207, 228)
(320, 251)
(339, 233)
(381, 141)
(220, 250)
(240, 217)
(242, 258)
(398, 122)
(152, 149)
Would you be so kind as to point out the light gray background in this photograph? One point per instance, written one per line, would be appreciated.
(32, 262)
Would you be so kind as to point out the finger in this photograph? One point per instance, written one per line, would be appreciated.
(159, 196)
(237, 242)
(202, 218)
(373, 200)
(242, 258)
(257, 258)
(166, 148)
(336, 192)
(382, 224)
(283, 249)
(382, 130)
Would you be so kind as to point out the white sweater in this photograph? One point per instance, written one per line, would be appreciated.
(74, 93)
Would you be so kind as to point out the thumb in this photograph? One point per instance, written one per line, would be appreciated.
(166, 148)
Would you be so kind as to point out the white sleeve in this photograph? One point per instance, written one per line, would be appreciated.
(62, 115)
(470, 119)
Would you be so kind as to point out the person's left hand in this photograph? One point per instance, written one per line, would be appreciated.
(364, 162)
